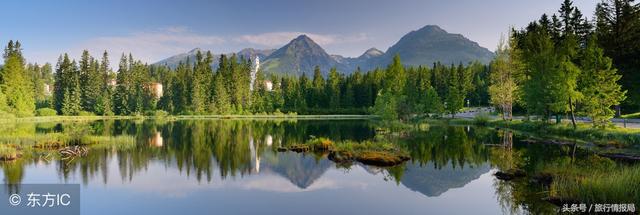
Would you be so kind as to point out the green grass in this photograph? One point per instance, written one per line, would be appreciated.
(616, 136)
(345, 152)
(93, 140)
(593, 184)
(320, 143)
(122, 142)
(353, 146)
(37, 139)
(481, 119)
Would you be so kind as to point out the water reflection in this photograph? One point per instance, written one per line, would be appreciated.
(156, 140)
(235, 153)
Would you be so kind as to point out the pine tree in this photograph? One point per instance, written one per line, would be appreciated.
(318, 96)
(306, 88)
(333, 89)
(42, 78)
(455, 92)
(541, 71)
(104, 104)
(16, 83)
(123, 91)
(618, 32)
(395, 77)
(199, 83)
(259, 95)
(221, 97)
(141, 99)
(71, 105)
(276, 97)
(59, 84)
(347, 97)
(598, 85)
(91, 83)
(566, 11)
(67, 89)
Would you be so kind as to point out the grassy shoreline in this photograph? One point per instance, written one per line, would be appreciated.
(617, 137)
(183, 117)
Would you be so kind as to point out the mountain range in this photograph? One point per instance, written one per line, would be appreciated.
(424, 46)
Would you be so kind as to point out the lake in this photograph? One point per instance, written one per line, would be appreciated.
(234, 167)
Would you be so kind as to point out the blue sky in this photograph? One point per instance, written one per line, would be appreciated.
(153, 30)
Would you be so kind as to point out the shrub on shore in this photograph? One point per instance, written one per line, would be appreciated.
(46, 112)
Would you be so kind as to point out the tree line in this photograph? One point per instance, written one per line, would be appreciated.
(89, 87)
(561, 64)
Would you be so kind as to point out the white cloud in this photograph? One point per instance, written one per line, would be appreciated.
(149, 46)
(274, 39)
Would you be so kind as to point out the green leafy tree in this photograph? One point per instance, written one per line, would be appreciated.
(505, 68)
(386, 105)
(431, 102)
(3, 102)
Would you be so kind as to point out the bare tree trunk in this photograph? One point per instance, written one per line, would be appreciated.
(573, 116)
(547, 115)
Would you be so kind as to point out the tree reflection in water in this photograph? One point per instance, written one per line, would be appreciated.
(443, 157)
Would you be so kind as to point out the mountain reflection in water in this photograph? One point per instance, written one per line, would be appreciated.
(188, 158)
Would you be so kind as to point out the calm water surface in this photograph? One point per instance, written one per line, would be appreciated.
(233, 167)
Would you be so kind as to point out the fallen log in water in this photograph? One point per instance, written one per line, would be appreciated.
(621, 157)
(549, 142)
(73, 151)
(510, 174)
